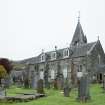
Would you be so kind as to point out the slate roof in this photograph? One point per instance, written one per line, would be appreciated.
(32, 60)
(76, 51)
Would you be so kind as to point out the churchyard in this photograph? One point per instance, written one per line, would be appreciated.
(23, 90)
(56, 97)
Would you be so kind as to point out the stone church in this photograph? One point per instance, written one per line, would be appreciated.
(66, 63)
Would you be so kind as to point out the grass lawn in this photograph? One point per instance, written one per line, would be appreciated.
(56, 97)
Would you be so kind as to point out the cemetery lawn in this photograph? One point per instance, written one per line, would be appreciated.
(55, 97)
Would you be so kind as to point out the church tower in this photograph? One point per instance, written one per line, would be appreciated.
(78, 38)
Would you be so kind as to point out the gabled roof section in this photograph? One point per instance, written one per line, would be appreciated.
(82, 50)
(78, 37)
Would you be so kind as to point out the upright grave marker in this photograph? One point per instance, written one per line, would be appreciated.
(40, 88)
(83, 87)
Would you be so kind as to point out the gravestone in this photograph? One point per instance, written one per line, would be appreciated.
(34, 80)
(26, 81)
(19, 83)
(2, 91)
(104, 82)
(7, 81)
(33, 85)
(83, 89)
(60, 81)
(67, 88)
(55, 84)
(40, 88)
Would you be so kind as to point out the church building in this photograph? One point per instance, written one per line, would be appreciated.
(79, 57)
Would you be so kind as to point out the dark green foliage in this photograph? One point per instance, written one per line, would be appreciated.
(7, 64)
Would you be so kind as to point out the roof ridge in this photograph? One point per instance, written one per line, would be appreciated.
(88, 52)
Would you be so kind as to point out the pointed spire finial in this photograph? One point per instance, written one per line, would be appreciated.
(78, 16)
(98, 38)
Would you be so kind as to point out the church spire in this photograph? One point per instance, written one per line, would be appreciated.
(78, 37)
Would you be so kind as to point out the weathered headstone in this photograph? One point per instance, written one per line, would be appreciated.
(34, 80)
(55, 84)
(83, 89)
(104, 81)
(2, 91)
(7, 81)
(26, 79)
(60, 82)
(26, 83)
(40, 88)
(33, 85)
(19, 83)
(67, 88)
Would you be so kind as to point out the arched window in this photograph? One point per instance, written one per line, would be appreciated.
(99, 58)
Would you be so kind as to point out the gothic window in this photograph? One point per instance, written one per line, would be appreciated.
(65, 72)
(52, 74)
(53, 55)
(80, 68)
(79, 73)
(99, 58)
(42, 57)
(66, 53)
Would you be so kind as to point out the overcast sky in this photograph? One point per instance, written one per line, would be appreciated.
(28, 26)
